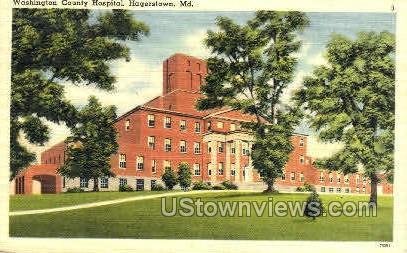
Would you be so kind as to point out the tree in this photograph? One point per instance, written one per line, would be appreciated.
(252, 67)
(169, 178)
(184, 175)
(50, 46)
(313, 206)
(351, 100)
(92, 144)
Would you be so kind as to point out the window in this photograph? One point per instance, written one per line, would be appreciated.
(302, 142)
(232, 126)
(151, 120)
(283, 176)
(209, 125)
(292, 176)
(220, 168)
(322, 189)
(197, 169)
(357, 189)
(139, 184)
(331, 189)
(197, 148)
(83, 183)
(209, 169)
(245, 148)
(331, 178)
(301, 159)
(197, 127)
(347, 179)
(140, 163)
(357, 179)
(153, 166)
(219, 124)
(346, 190)
(153, 183)
(364, 180)
(127, 125)
(63, 182)
(59, 158)
(338, 189)
(301, 177)
(183, 146)
(339, 178)
(167, 164)
(233, 148)
(321, 177)
(151, 142)
(104, 182)
(220, 147)
(167, 145)
(233, 169)
(167, 122)
(182, 125)
(209, 147)
(122, 181)
(122, 161)
(363, 189)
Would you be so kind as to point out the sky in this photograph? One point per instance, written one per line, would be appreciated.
(183, 32)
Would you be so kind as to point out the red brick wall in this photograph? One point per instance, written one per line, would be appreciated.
(54, 155)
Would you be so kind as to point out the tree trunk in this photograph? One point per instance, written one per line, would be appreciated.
(270, 185)
(95, 184)
(373, 189)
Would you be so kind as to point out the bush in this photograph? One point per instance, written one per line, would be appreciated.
(184, 176)
(74, 190)
(299, 189)
(169, 178)
(201, 186)
(158, 187)
(125, 188)
(229, 185)
(218, 187)
(305, 188)
(314, 206)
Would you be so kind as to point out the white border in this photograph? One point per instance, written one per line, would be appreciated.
(131, 245)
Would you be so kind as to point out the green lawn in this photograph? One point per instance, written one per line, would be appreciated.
(31, 202)
(143, 219)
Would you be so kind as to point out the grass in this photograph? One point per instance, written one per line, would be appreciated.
(32, 202)
(143, 219)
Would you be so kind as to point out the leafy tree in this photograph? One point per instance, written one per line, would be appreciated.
(169, 178)
(184, 175)
(92, 143)
(351, 100)
(252, 67)
(50, 46)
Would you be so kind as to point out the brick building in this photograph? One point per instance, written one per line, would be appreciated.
(168, 130)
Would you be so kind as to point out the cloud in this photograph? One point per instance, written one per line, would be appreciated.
(137, 82)
(317, 60)
(194, 44)
(319, 149)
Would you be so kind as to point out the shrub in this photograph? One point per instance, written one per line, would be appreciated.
(201, 186)
(299, 189)
(169, 178)
(308, 187)
(158, 187)
(229, 185)
(314, 206)
(125, 188)
(184, 176)
(218, 187)
(74, 190)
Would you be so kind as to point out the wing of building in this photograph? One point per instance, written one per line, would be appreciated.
(169, 130)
